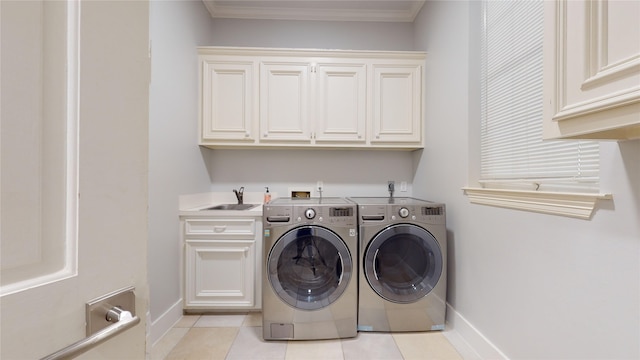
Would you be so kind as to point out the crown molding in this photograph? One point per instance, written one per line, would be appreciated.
(303, 10)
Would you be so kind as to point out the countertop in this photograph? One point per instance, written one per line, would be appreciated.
(191, 205)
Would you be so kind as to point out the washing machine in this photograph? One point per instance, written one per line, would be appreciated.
(403, 251)
(310, 285)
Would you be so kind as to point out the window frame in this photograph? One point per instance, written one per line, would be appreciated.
(522, 195)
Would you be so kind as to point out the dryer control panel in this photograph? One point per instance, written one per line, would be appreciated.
(396, 210)
(424, 214)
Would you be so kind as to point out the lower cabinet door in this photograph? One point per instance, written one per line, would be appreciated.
(220, 274)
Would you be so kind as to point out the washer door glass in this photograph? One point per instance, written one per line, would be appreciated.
(403, 263)
(309, 267)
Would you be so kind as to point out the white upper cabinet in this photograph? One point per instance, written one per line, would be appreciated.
(311, 98)
(397, 103)
(284, 102)
(227, 100)
(341, 103)
(592, 69)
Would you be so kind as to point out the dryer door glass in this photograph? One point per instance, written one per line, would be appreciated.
(403, 263)
(309, 267)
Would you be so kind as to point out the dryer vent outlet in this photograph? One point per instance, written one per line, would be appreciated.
(300, 194)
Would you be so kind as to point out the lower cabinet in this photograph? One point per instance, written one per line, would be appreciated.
(222, 263)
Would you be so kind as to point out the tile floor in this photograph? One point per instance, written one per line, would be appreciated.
(239, 336)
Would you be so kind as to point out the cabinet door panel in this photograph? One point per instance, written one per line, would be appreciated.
(341, 103)
(227, 100)
(220, 273)
(397, 104)
(592, 69)
(284, 99)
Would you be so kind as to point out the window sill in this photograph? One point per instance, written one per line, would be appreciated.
(576, 205)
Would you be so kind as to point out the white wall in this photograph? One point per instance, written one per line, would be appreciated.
(536, 286)
(176, 163)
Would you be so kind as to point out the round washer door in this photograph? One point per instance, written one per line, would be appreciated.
(309, 267)
(403, 263)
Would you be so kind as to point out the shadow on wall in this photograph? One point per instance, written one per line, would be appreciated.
(630, 151)
(308, 165)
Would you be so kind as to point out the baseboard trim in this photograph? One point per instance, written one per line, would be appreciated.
(165, 322)
(460, 329)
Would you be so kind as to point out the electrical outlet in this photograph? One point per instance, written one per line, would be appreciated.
(403, 186)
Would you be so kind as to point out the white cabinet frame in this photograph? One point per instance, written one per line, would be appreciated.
(592, 69)
(222, 263)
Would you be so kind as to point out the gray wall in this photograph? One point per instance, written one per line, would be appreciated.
(537, 286)
(176, 163)
(313, 34)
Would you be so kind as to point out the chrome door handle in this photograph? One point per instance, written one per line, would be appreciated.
(106, 318)
(123, 320)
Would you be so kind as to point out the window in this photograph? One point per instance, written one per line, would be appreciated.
(517, 166)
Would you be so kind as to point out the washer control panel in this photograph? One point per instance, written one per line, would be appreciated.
(330, 215)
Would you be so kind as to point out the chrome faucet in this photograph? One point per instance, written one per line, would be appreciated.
(239, 194)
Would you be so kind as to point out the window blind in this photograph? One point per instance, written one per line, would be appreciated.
(513, 154)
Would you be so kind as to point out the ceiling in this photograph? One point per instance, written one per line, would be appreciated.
(322, 10)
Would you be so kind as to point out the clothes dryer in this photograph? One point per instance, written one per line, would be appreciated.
(310, 287)
(403, 250)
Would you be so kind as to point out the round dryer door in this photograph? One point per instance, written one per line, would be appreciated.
(309, 267)
(403, 263)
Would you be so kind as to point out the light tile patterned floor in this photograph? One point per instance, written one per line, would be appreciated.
(239, 337)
